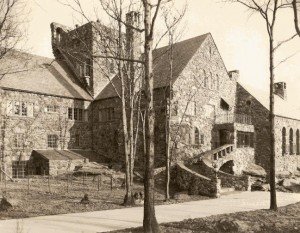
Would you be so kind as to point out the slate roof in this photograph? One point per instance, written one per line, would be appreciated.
(32, 73)
(183, 52)
(283, 108)
(59, 154)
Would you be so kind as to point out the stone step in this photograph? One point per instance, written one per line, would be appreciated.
(227, 190)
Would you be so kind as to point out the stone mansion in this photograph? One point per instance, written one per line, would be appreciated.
(58, 112)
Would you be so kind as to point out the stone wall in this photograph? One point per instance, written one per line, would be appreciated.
(35, 127)
(248, 104)
(287, 162)
(189, 89)
(242, 157)
(57, 167)
(185, 179)
(240, 183)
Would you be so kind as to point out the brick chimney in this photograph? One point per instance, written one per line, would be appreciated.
(234, 74)
(133, 37)
(280, 90)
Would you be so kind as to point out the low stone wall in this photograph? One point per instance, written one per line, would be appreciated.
(241, 183)
(185, 179)
(57, 167)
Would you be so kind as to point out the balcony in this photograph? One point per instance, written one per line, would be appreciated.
(233, 118)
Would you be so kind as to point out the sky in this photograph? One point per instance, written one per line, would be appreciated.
(240, 36)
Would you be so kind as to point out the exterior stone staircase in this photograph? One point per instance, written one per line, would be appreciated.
(208, 164)
(217, 157)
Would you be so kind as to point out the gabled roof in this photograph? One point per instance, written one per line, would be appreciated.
(36, 74)
(283, 108)
(182, 53)
(59, 154)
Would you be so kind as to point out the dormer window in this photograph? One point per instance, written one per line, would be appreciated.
(224, 105)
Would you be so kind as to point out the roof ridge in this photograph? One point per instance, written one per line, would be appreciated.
(30, 54)
(185, 40)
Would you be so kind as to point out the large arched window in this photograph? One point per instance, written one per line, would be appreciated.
(211, 81)
(197, 136)
(291, 140)
(205, 81)
(298, 141)
(283, 141)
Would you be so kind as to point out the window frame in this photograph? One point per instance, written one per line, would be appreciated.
(18, 141)
(52, 141)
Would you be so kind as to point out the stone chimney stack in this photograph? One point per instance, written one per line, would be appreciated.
(280, 90)
(133, 37)
(234, 74)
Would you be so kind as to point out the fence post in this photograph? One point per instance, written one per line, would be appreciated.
(67, 183)
(28, 184)
(111, 182)
(83, 178)
(49, 183)
(98, 181)
(5, 183)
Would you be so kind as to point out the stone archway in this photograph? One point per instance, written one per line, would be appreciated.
(228, 167)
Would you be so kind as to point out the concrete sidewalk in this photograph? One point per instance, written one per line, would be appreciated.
(101, 221)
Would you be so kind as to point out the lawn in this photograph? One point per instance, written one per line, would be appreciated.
(286, 220)
(65, 195)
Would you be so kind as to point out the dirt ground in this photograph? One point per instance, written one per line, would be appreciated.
(286, 220)
(65, 196)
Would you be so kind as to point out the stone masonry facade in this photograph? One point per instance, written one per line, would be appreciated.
(208, 107)
(287, 159)
(45, 117)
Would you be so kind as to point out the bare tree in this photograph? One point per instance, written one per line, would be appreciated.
(296, 9)
(122, 56)
(172, 18)
(269, 11)
(11, 25)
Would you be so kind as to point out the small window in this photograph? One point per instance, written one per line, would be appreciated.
(52, 141)
(20, 108)
(19, 141)
(17, 108)
(175, 108)
(24, 109)
(245, 139)
(283, 141)
(52, 109)
(106, 114)
(112, 68)
(197, 136)
(19, 169)
(70, 113)
(80, 114)
(202, 139)
(291, 141)
(75, 114)
(224, 105)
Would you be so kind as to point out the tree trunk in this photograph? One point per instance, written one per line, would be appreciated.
(168, 126)
(167, 178)
(296, 20)
(128, 200)
(273, 201)
(150, 224)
